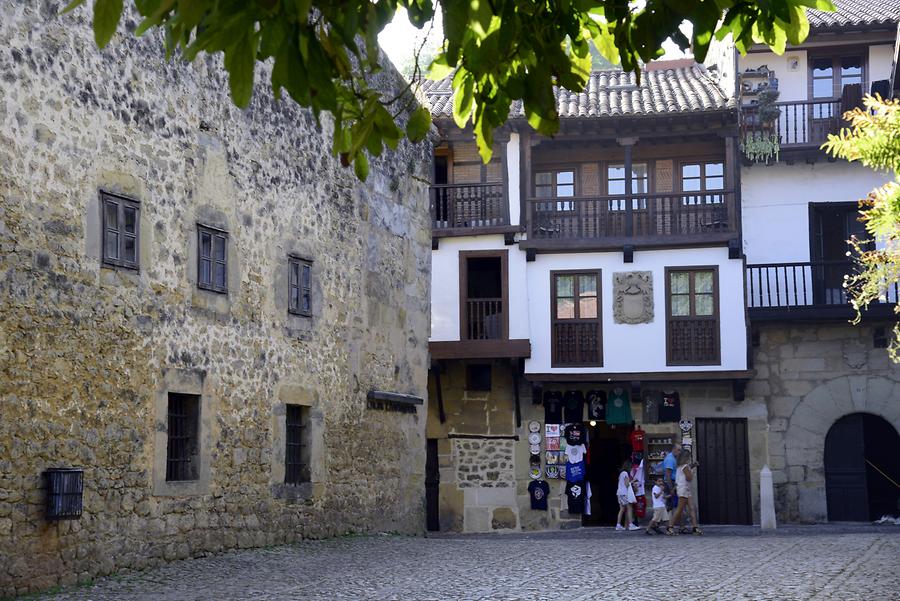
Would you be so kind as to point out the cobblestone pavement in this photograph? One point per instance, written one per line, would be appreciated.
(816, 562)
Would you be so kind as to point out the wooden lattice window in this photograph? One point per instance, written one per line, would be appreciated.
(212, 259)
(296, 453)
(692, 316)
(300, 286)
(575, 319)
(121, 230)
(183, 437)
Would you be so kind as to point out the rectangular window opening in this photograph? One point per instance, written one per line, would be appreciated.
(478, 377)
(121, 230)
(576, 319)
(183, 438)
(296, 453)
(692, 317)
(212, 259)
(300, 286)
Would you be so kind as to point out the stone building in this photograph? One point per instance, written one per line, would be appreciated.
(652, 248)
(200, 307)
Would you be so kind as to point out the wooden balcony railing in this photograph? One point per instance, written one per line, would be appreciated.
(801, 123)
(483, 319)
(456, 206)
(778, 288)
(665, 215)
(576, 343)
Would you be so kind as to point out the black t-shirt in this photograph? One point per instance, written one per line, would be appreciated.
(575, 493)
(573, 404)
(575, 434)
(553, 407)
(596, 400)
(670, 408)
(650, 406)
(538, 491)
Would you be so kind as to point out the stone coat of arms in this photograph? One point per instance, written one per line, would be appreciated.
(633, 297)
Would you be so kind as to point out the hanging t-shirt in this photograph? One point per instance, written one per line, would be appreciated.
(637, 440)
(553, 407)
(575, 453)
(596, 400)
(650, 406)
(538, 491)
(618, 409)
(573, 406)
(575, 494)
(575, 471)
(670, 409)
(575, 434)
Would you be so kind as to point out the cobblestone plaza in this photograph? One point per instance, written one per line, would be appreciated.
(816, 562)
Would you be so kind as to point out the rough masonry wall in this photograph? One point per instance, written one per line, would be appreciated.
(810, 375)
(86, 352)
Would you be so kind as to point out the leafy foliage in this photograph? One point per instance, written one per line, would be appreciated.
(325, 53)
(874, 140)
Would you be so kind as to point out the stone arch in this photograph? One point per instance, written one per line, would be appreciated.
(810, 421)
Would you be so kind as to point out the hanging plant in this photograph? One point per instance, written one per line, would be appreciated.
(761, 142)
(761, 147)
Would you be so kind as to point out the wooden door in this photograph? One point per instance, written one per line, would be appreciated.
(845, 470)
(723, 479)
(432, 486)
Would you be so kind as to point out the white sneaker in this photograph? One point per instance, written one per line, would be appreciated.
(620, 527)
(633, 527)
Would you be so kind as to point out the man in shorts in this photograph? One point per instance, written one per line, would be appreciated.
(670, 466)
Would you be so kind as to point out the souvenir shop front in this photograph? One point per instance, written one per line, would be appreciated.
(586, 435)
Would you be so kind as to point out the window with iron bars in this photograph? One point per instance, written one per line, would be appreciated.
(183, 434)
(296, 454)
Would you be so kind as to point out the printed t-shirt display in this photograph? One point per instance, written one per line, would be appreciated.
(575, 471)
(575, 493)
(650, 406)
(670, 409)
(552, 407)
(575, 453)
(596, 400)
(573, 406)
(637, 439)
(538, 491)
(618, 409)
(575, 434)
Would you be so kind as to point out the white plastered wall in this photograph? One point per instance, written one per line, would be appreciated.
(445, 285)
(638, 348)
(512, 169)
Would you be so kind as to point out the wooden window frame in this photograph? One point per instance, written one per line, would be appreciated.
(716, 316)
(704, 189)
(561, 205)
(213, 233)
(464, 256)
(837, 55)
(301, 264)
(641, 204)
(296, 445)
(121, 203)
(554, 355)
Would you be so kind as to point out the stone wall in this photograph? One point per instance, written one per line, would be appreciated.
(88, 353)
(810, 375)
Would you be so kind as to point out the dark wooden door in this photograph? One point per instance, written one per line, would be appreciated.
(723, 478)
(845, 470)
(432, 486)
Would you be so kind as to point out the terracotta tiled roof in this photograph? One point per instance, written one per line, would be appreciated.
(857, 12)
(616, 94)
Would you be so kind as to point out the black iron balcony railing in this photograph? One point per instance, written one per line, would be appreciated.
(652, 216)
(780, 288)
(460, 206)
(800, 124)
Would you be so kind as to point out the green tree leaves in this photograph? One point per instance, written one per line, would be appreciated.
(325, 53)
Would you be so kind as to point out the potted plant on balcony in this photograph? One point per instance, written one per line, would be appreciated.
(760, 142)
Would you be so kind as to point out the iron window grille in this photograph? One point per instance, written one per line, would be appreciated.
(121, 230)
(296, 464)
(65, 491)
(183, 437)
(212, 259)
(300, 286)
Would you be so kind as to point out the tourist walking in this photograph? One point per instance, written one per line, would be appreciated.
(670, 465)
(684, 475)
(660, 515)
(625, 495)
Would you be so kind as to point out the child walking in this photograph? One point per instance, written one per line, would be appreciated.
(625, 495)
(660, 514)
(683, 477)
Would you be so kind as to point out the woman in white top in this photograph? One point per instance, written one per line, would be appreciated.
(684, 475)
(625, 495)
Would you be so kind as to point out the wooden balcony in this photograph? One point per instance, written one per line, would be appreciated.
(801, 124)
(611, 222)
(469, 209)
(807, 290)
(484, 319)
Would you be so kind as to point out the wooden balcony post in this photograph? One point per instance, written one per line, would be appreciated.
(627, 144)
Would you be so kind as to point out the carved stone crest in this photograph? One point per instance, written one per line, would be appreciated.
(633, 297)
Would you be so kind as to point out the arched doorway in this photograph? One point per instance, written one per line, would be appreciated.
(861, 460)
